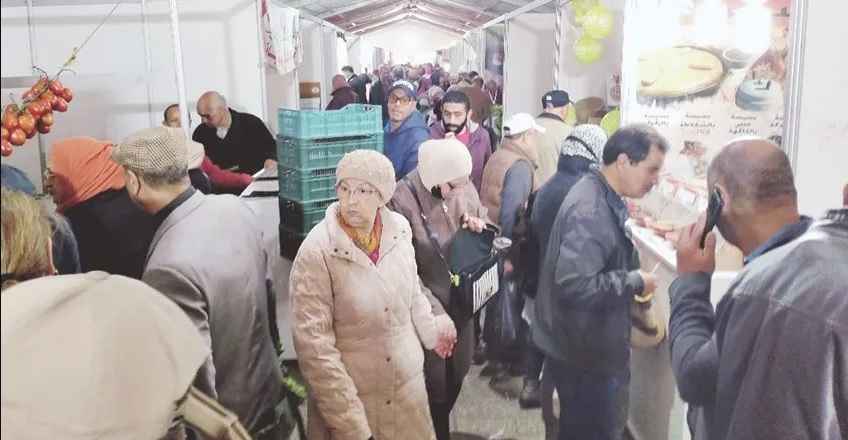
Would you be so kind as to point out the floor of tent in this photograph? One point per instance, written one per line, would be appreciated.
(483, 414)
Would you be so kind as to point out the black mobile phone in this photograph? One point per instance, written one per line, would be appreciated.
(714, 207)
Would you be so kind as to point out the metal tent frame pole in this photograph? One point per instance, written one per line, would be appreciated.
(178, 66)
(557, 42)
(263, 99)
(148, 62)
(42, 153)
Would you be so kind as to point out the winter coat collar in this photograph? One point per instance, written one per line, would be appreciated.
(546, 115)
(413, 121)
(615, 202)
(341, 246)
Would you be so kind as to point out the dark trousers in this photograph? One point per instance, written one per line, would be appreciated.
(592, 406)
(535, 361)
(440, 411)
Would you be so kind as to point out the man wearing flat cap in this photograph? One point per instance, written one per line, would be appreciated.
(207, 257)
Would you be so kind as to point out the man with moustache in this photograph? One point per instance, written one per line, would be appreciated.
(587, 282)
(456, 121)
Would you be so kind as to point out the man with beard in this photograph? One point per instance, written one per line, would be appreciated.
(456, 121)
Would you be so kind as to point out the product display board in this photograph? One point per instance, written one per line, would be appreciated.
(713, 71)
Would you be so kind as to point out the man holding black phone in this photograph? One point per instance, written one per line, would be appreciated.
(778, 336)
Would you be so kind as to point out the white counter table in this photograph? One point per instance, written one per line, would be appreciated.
(656, 411)
(261, 196)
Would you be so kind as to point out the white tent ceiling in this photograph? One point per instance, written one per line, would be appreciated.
(411, 38)
(368, 16)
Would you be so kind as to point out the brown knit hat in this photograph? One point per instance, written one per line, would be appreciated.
(369, 166)
(152, 150)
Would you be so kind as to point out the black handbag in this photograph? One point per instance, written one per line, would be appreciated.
(473, 267)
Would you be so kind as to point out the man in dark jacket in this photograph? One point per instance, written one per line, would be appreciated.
(769, 363)
(456, 119)
(233, 139)
(405, 130)
(580, 152)
(343, 94)
(587, 282)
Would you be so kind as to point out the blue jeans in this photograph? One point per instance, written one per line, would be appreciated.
(592, 406)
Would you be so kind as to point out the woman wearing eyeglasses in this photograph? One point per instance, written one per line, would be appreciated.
(360, 315)
(442, 191)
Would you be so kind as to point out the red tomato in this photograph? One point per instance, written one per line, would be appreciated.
(6, 149)
(47, 118)
(18, 137)
(42, 127)
(56, 87)
(60, 105)
(26, 122)
(68, 94)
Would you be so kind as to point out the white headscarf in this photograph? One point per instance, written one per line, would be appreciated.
(586, 140)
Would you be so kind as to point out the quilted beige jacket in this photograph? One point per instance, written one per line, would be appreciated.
(358, 328)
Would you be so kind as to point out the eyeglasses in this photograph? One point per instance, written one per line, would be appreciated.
(361, 191)
(402, 100)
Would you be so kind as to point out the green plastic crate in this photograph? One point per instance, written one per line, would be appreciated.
(307, 185)
(322, 153)
(302, 216)
(352, 120)
(290, 242)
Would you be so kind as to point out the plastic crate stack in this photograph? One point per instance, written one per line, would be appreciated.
(309, 147)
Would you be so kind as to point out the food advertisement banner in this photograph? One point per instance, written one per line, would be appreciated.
(704, 72)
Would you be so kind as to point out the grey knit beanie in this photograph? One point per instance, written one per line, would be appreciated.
(369, 166)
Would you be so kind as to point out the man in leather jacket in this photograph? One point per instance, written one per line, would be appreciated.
(769, 363)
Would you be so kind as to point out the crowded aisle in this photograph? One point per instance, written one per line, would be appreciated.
(426, 219)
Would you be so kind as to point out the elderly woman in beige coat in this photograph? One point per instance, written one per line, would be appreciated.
(360, 315)
(441, 189)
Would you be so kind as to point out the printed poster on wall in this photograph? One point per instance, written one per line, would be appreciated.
(493, 61)
(716, 72)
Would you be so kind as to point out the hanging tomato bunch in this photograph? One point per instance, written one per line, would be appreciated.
(35, 113)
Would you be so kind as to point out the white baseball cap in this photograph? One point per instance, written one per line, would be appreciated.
(519, 123)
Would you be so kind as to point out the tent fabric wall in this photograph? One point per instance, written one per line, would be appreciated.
(220, 52)
(585, 80)
(528, 62)
(823, 138)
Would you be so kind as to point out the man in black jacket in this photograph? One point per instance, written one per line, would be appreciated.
(769, 363)
(587, 282)
(233, 140)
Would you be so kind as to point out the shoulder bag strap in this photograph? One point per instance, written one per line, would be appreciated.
(454, 278)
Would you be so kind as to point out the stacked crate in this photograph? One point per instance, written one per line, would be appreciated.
(309, 146)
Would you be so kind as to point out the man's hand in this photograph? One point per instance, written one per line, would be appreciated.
(650, 282)
(447, 336)
(690, 257)
(270, 164)
(475, 224)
